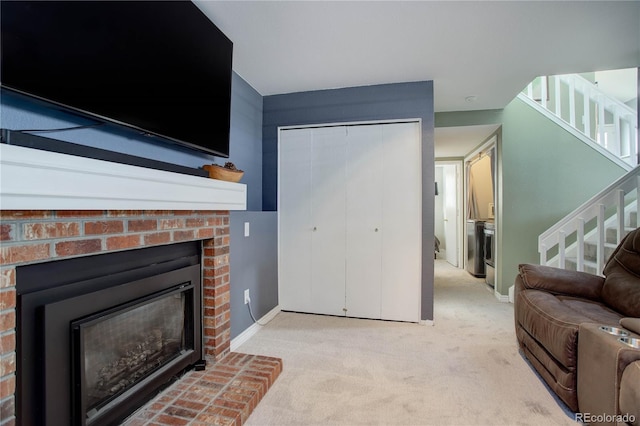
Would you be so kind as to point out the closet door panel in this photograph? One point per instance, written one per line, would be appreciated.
(402, 213)
(294, 220)
(328, 212)
(364, 221)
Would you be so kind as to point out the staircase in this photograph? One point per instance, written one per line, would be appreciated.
(585, 238)
(602, 122)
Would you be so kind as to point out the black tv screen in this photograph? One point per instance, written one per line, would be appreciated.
(159, 67)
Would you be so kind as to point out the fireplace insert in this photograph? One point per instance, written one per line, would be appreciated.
(106, 336)
(115, 352)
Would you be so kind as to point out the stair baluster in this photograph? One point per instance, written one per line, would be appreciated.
(585, 238)
(618, 137)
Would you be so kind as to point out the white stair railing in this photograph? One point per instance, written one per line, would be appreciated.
(579, 103)
(599, 224)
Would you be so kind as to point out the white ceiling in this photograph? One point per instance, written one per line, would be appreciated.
(486, 49)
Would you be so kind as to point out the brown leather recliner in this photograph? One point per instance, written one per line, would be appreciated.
(630, 392)
(551, 303)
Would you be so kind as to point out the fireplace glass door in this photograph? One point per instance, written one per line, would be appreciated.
(117, 349)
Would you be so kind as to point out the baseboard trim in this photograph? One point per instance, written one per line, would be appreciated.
(253, 329)
(504, 298)
(426, 322)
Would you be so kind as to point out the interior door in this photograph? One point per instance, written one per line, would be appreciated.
(294, 220)
(451, 220)
(364, 220)
(328, 174)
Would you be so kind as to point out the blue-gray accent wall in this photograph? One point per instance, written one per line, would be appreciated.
(366, 103)
(19, 112)
(253, 266)
(246, 138)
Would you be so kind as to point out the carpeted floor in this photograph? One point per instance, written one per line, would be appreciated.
(463, 370)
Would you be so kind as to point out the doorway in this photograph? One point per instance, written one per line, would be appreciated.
(480, 208)
(460, 146)
(448, 202)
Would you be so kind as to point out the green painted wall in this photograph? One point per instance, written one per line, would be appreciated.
(468, 118)
(546, 173)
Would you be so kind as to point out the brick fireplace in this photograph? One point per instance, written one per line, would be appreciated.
(58, 207)
(35, 236)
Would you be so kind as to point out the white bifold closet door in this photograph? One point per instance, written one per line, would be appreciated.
(311, 263)
(402, 218)
(328, 220)
(294, 221)
(350, 220)
(364, 221)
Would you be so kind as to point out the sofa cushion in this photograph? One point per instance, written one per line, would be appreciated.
(621, 289)
(553, 321)
(594, 312)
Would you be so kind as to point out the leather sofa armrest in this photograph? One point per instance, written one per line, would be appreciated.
(630, 394)
(561, 281)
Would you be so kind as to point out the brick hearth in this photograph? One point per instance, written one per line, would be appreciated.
(225, 388)
(224, 394)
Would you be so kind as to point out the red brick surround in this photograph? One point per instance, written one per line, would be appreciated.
(39, 236)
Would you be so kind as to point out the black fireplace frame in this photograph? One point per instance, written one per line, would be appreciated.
(60, 315)
(45, 381)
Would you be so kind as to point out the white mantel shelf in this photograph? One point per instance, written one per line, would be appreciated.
(32, 179)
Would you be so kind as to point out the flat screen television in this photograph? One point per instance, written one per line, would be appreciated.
(159, 67)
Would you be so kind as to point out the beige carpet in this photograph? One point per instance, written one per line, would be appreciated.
(464, 370)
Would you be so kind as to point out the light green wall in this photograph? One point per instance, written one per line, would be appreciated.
(468, 118)
(546, 174)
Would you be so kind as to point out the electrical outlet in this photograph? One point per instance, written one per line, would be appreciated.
(246, 297)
